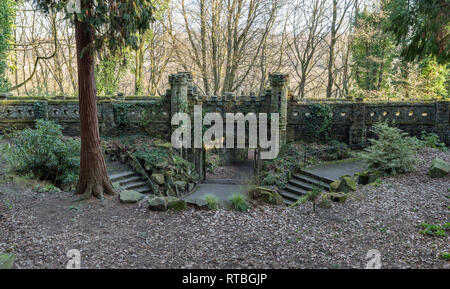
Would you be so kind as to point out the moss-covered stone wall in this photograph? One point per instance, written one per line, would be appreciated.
(350, 120)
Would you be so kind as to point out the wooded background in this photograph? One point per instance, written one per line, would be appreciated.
(330, 48)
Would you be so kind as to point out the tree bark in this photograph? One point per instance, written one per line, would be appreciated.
(139, 73)
(93, 180)
(331, 54)
(381, 68)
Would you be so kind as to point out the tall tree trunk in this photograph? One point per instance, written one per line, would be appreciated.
(381, 68)
(139, 73)
(331, 55)
(203, 45)
(93, 179)
(301, 86)
(368, 67)
(345, 77)
(215, 45)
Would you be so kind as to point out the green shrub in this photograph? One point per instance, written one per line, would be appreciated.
(309, 196)
(270, 180)
(392, 152)
(445, 256)
(152, 156)
(48, 189)
(211, 202)
(300, 200)
(3, 147)
(432, 140)
(212, 161)
(45, 154)
(336, 150)
(324, 202)
(9, 131)
(179, 162)
(277, 171)
(239, 202)
(434, 230)
(313, 195)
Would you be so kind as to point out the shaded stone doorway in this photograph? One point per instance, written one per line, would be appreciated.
(230, 166)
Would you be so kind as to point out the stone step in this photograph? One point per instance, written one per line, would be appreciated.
(289, 196)
(311, 181)
(295, 190)
(300, 184)
(128, 180)
(120, 176)
(143, 190)
(288, 202)
(134, 185)
(313, 176)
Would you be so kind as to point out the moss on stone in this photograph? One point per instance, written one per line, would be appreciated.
(7, 260)
(334, 186)
(161, 203)
(367, 177)
(439, 168)
(157, 203)
(176, 204)
(158, 178)
(339, 197)
(346, 185)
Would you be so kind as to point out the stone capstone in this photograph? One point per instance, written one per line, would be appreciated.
(161, 203)
(439, 168)
(338, 197)
(130, 196)
(346, 185)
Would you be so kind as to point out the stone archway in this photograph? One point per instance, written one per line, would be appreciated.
(184, 97)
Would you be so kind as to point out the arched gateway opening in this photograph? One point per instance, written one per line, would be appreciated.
(226, 165)
(230, 166)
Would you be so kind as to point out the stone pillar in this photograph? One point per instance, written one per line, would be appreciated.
(278, 101)
(179, 99)
(107, 125)
(358, 130)
(179, 92)
(182, 93)
(442, 122)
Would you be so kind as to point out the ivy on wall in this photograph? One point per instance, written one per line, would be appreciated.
(121, 114)
(147, 115)
(318, 122)
(39, 110)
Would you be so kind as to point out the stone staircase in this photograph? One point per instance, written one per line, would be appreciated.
(301, 183)
(130, 180)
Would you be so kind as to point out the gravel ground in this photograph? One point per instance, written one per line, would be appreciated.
(41, 227)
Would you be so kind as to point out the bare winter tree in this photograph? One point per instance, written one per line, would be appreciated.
(230, 45)
(339, 18)
(309, 29)
(225, 39)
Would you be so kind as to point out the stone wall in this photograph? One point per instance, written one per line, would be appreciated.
(351, 120)
(122, 115)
